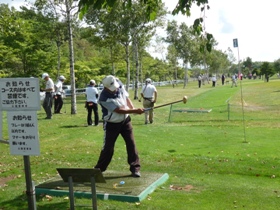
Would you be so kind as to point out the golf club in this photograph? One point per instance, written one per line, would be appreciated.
(184, 100)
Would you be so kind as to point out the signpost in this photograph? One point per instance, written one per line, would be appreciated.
(20, 97)
(235, 44)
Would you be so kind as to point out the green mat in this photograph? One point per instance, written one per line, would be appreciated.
(133, 189)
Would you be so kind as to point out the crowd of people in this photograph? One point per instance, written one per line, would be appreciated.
(202, 78)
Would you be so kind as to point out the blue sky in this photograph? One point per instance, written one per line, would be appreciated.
(253, 23)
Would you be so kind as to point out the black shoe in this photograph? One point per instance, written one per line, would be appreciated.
(136, 174)
(48, 118)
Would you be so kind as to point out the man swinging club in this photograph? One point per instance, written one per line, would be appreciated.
(116, 107)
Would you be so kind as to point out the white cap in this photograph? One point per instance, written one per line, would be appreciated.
(45, 75)
(148, 80)
(92, 82)
(111, 83)
(61, 77)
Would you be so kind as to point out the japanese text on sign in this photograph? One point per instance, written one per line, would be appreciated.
(23, 133)
(19, 94)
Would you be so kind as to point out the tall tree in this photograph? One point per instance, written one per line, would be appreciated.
(267, 70)
(183, 6)
(68, 10)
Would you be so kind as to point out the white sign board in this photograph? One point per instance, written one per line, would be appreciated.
(23, 133)
(19, 94)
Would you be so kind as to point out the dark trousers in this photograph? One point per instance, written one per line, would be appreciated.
(199, 83)
(47, 104)
(58, 103)
(112, 131)
(92, 107)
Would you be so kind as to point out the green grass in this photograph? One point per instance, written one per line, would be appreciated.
(225, 164)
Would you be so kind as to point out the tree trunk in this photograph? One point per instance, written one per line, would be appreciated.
(186, 76)
(113, 64)
(71, 59)
(127, 66)
(58, 56)
(137, 70)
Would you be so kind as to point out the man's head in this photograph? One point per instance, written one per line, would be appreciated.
(61, 78)
(110, 82)
(148, 80)
(45, 76)
(92, 82)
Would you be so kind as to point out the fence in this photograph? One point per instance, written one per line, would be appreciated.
(227, 112)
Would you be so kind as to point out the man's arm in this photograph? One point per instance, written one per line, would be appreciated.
(131, 109)
(155, 97)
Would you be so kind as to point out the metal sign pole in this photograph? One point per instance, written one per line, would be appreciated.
(235, 44)
(30, 190)
(1, 124)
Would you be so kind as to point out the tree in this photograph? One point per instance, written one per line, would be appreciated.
(68, 10)
(26, 34)
(276, 65)
(183, 6)
(267, 70)
(125, 25)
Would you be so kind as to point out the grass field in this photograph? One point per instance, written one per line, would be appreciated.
(225, 159)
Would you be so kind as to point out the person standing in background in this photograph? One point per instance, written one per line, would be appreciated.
(149, 94)
(58, 97)
(91, 103)
(199, 80)
(49, 90)
(214, 79)
(233, 79)
(223, 79)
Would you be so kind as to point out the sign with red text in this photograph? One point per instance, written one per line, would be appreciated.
(19, 94)
(23, 133)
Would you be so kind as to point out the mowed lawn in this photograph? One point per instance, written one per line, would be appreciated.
(227, 158)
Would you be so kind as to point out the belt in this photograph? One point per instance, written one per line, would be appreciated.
(48, 93)
(148, 98)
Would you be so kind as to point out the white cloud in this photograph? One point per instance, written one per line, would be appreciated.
(253, 23)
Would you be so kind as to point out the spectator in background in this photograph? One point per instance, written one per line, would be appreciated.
(149, 94)
(233, 79)
(214, 79)
(199, 80)
(240, 76)
(223, 79)
(91, 103)
(49, 89)
(59, 93)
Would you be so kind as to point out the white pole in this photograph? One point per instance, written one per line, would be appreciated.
(1, 124)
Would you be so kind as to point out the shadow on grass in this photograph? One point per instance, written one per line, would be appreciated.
(21, 202)
(172, 150)
(116, 177)
(73, 126)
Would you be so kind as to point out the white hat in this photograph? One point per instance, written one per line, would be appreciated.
(111, 83)
(61, 77)
(148, 80)
(45, 75)
(92, 82)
